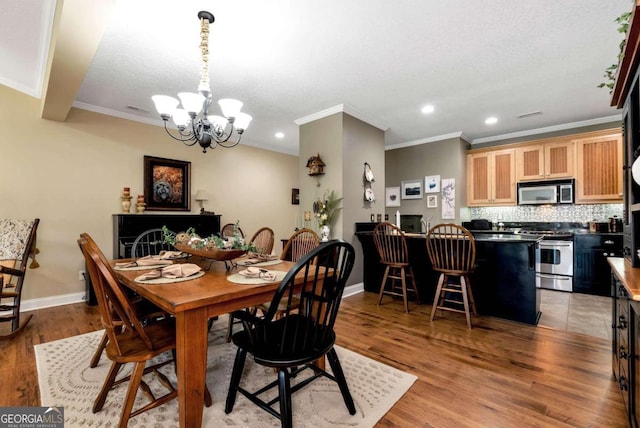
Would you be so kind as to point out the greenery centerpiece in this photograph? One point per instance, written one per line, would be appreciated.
(212, 247)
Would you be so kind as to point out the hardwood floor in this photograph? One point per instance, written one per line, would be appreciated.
(499, 374)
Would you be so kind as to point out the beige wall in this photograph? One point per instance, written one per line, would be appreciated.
(446, 158)
(71, 174)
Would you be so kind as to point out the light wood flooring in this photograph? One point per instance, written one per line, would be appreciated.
(498, 374)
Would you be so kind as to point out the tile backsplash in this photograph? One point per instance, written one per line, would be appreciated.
(569, 213)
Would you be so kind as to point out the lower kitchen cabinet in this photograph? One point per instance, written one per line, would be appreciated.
(625, 344)
(591, 272)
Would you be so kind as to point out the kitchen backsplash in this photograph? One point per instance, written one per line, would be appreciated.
(571, 213)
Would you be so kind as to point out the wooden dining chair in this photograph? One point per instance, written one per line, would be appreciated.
(263, 240)
(394, 255)
(136, 343)
(150, 243)
(17, 246)
(300, 243)
(452, 252)
(228, 231)
(145, 310)
(305, 334)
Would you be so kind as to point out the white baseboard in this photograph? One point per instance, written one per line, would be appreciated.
(353, 289)
(49, 302)
(67, 299)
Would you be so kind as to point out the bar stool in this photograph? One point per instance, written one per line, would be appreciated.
(392, 248)
(452, 252)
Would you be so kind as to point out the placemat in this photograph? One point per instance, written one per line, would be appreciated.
(265, 263)
(245, 280)
(169, 280)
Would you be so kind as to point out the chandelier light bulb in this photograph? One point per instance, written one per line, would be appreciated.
(165, 104)
(242, 121)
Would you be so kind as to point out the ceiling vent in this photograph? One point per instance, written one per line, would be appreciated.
(533, 113)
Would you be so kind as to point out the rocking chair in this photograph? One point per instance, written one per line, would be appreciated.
(17, 245)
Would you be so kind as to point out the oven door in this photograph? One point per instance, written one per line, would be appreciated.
(555, 257)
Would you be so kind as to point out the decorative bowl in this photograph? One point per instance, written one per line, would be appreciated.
(213, 254)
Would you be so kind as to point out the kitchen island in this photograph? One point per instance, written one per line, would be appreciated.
(503, 284)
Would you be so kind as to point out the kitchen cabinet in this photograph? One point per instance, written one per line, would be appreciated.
(625, 346)
(591, 272)
(491, 178)
(599, 173)
(545, 161)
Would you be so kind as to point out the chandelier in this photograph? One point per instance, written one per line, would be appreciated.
(193, 121)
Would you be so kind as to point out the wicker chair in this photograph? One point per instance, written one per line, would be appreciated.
(263, 240)
(452, 252)
(17, 245)
(227, 231)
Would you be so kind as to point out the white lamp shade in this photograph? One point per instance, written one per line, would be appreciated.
(201, 195)
(230, 107)
(165, 104)
(180, 117)
(191, 102)
(218, 120)
(242, 121)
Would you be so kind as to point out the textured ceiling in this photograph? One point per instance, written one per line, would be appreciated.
(382, 60)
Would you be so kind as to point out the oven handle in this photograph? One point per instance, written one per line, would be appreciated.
(543, 244)
(555, 277)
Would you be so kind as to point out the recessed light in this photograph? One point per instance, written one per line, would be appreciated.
(279, 135)
(427, 109)
(491, 120)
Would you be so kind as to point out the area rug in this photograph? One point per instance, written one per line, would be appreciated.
(66, 380)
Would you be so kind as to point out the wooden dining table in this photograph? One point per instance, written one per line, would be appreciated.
(193, 303)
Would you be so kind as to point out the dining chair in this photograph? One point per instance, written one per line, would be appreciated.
(452, 253)
(262, 240)
(228, 231)
(150, 243)
(391, 245)
(305, 334)
(300, 243)
(136, 343)
(17, 246)
(145, 310)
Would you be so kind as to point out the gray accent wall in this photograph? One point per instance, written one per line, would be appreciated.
(446, 158)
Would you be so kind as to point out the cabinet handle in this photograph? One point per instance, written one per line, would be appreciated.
(608, 242)
(622, 322)
(622, 383)
(622, 353)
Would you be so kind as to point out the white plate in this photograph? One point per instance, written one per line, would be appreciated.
(635, 171)
(369, 196)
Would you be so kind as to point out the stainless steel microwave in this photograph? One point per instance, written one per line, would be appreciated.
(546, 192)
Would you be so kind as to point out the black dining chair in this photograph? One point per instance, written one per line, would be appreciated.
(150, 243)
(292, 343)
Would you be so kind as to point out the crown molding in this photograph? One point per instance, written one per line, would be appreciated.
(435, 139)
(341, 108)
(555, 128)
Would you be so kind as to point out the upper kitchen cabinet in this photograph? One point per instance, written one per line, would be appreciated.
(491, 178)
(545, 161)
(599, 173)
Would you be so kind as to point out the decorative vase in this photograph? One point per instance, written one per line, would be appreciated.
(324, 233)
(126, 204)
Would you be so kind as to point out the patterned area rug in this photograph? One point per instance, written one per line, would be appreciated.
(65, 379)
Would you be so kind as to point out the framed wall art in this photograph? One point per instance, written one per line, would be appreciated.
(412, 189)
(432, 184)
(167, 184)
(295, 196)
(432, 201)
(392, 196)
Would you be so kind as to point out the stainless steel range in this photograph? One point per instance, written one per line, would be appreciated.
(554, 259)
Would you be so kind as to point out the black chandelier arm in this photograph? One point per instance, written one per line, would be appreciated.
(186, 141)
(228, 146)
